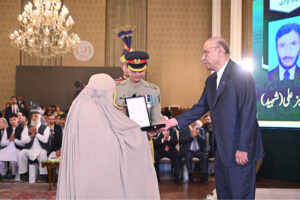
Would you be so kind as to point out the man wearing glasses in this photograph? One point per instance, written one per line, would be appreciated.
(229, 95)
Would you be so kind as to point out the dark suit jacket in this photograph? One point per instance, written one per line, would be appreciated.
(57, 139)
(185, 140)
(274, 74)
(159, 146)
(233, 113)
(1, 133)
(8, 112)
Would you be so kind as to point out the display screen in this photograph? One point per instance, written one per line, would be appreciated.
(276, 47)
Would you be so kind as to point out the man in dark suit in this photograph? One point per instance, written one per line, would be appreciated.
(229, 95)
(13, 108)
(165, 146)
(208, 133)
(288, 48)
(55, 136)
(193, 144)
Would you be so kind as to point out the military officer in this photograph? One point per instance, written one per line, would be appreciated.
(135, 85)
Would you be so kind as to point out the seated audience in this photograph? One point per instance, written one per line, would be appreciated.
(58, 111)
(193, 144)
(165, 146)
(55, 130)
(3, 126)
(208, 131)
(24, 110)
(21, 100)
(11, 141)
(35, 137)
(23, 120)
(62, 120)
(166, 112)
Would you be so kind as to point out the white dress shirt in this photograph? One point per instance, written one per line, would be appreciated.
(220, 73)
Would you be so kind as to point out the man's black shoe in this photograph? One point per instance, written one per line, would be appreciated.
(6, 176)
(191, 179)
(24, 177)
(11, 176)
(204, 178)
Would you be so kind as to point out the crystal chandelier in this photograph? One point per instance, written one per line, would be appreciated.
(44, 31)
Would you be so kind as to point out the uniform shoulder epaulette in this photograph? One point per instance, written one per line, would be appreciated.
(119, 79)
(121, 82)
(151, 85)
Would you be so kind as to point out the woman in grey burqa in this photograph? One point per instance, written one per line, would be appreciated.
(104, 153)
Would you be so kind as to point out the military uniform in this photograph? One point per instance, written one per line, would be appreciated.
(151, 92)
(126, 89)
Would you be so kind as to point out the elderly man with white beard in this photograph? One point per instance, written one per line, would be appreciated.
(35, 137)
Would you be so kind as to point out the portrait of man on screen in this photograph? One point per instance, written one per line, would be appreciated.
(288, 48)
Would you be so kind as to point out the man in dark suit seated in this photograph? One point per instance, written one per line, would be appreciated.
(193, 144)
(56, 141)
(208, 133)
(55, 129)
(288, 48)
(165, 146)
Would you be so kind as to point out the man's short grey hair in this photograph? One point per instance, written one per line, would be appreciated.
(224, 45)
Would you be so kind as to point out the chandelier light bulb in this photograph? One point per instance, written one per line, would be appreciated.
(24, 14)
(25, 21)
(20, 18)
(47, 5)
(46, 31)
(11, 36)
(58, 5)
(30, 5)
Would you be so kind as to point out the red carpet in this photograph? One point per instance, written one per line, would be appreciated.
(16, 190)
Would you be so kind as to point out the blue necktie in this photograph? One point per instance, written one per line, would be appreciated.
(286, 75)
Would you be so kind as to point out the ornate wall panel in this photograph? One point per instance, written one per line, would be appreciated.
(225, 20)
(119, 14)
(9, 56)
(176, 32)
(89, 17)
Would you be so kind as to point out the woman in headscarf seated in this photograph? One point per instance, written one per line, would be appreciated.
(104, 153)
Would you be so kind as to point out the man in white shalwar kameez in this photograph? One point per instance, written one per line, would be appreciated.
(105, 155)
(12, 145)
(35, 137)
